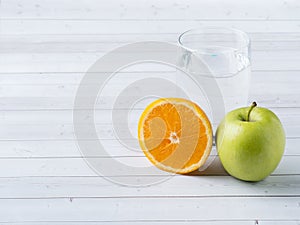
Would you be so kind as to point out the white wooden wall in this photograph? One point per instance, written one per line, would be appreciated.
(45, 48)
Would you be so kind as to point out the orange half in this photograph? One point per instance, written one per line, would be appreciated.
(175, 135)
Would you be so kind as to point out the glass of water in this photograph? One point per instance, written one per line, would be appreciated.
(225, 52)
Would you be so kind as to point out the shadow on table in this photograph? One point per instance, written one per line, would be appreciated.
(214, 169)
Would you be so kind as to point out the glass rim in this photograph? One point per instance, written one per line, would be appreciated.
(242, 34)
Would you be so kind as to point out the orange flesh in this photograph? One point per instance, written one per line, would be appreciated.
(174, 134)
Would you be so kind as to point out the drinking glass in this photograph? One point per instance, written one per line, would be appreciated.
(225, 52)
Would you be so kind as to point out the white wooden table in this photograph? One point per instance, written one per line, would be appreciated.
(45, 48)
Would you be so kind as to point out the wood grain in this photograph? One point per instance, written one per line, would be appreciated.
(137, 209)
(46, 46)
(154, 10)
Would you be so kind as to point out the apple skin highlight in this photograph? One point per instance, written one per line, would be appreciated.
(250, 150)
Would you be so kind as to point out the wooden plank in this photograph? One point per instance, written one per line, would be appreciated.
(141, 209)
(69, 148)
(80, 62)
(104, 131)
(193, 186)
(92, 27)
(67, 103)
(112, 89)
(164, 222)
(274, 41)
(277, 222)
(156, 222)
(66, 84)
(269, 95)
(288, 116)
(11, 167)
(65, 130)
(154, 10)
(268, 77)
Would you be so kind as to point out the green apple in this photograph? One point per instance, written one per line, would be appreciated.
(250, 142)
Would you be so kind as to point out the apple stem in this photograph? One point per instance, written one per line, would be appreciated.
(253, 105)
